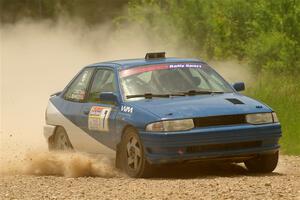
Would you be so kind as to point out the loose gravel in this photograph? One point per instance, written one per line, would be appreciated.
(225, 181)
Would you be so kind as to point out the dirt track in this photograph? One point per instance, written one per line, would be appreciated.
(201, 182)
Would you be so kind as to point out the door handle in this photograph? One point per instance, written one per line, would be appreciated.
(86, 112)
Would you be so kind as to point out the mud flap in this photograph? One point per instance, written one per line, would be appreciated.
(118, 161)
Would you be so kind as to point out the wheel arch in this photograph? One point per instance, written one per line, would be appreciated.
(123, 130)
(51, 138)
(126, 127)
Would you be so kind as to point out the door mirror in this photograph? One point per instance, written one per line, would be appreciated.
(239, 86)
(109, 97)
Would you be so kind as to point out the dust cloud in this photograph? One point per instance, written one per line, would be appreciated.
(38, 59)
(67, 164)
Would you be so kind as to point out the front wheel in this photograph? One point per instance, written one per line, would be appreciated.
(132, 155)
(263, 163)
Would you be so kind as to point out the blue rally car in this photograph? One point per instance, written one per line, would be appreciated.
(161, 110)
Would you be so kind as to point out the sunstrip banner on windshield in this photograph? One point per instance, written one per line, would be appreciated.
(148, 68)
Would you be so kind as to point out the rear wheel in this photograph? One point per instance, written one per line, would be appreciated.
(263, 163)
(132, 155)
(60, 141)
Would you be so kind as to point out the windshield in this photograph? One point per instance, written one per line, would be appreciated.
(171, 80)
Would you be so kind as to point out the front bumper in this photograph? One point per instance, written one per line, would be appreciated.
(219, 142)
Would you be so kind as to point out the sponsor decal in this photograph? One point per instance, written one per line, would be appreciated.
(148, 68)
(98, 118)
(127, 109)
(185, 65)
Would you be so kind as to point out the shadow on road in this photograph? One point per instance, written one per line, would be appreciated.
(204, 170)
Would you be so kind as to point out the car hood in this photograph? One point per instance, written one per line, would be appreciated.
(200, 106)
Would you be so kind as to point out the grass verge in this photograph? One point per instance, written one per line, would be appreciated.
(282, 93)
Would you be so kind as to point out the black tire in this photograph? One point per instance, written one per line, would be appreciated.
(131, 156)
(60, 141)
(263, 163)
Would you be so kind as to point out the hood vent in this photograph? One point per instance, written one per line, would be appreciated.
(235, 101)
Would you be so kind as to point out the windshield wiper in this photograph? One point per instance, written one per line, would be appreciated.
(148, 95)
(217, 92)
(189, 93)
(198, 92)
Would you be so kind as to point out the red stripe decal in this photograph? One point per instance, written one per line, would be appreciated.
(137, 70)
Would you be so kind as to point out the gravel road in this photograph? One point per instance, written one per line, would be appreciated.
(182, 182)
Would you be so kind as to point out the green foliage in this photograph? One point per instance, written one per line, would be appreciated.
(266, 33)
(282, 93)
(274, 52)
(262, 32)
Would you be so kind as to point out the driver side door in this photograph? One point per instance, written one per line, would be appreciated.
(97, 116)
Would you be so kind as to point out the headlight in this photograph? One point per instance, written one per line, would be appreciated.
(172, 125)
(261, 118)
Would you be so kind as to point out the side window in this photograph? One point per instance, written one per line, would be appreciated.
(104, 81)
(77, 90)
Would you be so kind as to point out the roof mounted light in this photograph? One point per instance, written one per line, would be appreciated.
(155, 55)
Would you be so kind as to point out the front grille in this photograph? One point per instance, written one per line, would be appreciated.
(219, 120)
(223, 147)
